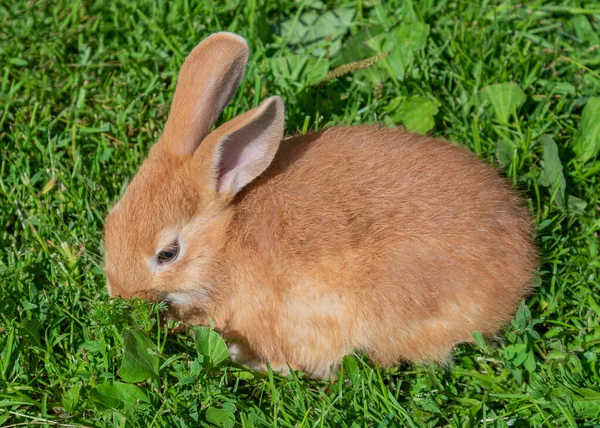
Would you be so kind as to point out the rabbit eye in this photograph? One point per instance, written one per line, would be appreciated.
(168, 254)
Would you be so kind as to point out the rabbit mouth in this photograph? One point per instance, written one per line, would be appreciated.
(184, 299)
(171, 314)
(188, 307)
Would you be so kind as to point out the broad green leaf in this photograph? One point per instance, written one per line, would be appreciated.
(518, 375)
(564, 88)
(71, 398)
(512, 352)
(593, 305)
(139, 361)
(587, 145)
(593, 249)
(416, 114)
(576, 204)
(403, 43)
(220, 417)
(589, 393)
(30, 329)
(228, 405)
(575, 362)
(521, 317)
(211, 346)
(429, 405)
(244, 375)
(505, 150)
(316, 27)
(556, 355)
(406, 12)
(588, 408)
(520, 356)
(504, 99)
(552, 172)
(118, 395)
(27, 305)
(530, 363)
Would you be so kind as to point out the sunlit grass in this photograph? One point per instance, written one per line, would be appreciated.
(84, 91)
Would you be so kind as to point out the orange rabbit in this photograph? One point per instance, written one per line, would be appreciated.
(302, 250)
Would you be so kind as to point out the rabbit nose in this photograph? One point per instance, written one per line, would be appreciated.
(116, 289)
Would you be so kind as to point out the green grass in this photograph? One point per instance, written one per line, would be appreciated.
(84, 91)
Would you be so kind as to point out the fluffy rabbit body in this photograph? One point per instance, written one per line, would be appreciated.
(301, 250)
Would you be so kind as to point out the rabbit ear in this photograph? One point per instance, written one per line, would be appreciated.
(209, 77)
(241, 149)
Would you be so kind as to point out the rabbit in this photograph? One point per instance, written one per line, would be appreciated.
(302, 250)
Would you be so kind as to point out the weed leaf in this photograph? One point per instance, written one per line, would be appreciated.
(211, 346)
(505, 150)
(587, 145)
(220, 417)
(71, 398)
(504, 99)
(138, 363)
(118, 395)
(552, 172)
(405, 42)
(315, 27)
(416, 114)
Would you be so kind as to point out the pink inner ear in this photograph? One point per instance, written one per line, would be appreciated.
(241, 151)
(234, 155)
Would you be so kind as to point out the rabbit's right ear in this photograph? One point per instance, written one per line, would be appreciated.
(209, 77)
(239, 151)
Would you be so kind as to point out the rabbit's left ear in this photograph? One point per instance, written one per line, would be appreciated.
(240, 150)
(209, 77)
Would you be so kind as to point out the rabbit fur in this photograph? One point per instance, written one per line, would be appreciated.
(301, 250)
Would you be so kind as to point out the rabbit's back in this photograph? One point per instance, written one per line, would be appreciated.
(352, 187)
(422, 242)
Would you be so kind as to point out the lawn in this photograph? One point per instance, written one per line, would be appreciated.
(85, 88)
